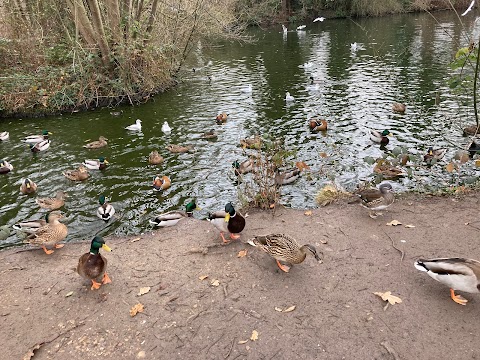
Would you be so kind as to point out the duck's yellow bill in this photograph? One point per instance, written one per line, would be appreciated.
(105, 161)
(106, 247)
(198, 208)
(227, 218)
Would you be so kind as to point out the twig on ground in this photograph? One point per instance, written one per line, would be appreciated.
(396, 248)
(212, 344)
(231, 348)
(390, 349)
(204, 250)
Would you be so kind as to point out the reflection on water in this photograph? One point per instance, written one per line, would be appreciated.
(401, 58)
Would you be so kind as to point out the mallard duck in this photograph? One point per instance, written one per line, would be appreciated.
(5, 167)
(52, 203)
(93, 265)
(286, 177)
(380, 137)
(161, 183)
(116, 113)
(457, 273)
(252, 143)
(470, 130)
(50, 234)
(28, 227)
(284, 248)
(288, 97)
(105, 211)
(79, 174)
(155, 158)
(40, 146)
(434, 155)
(208, 135)
(388, 171)
(178, 148)
(28, 187)
(100, 143)
(37, 138)
(377, 202)
(399, 107)
(228, 221)
(4, 232)
(135, 127)
(173, 217)
(243, 167)
(166, 128)
(221, 118)
(4, 135)
(318, 125)
(100, 164)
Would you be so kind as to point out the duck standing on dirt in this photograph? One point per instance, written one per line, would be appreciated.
(171, 218)
(93, 265)
(228, 221)
(377, 200)
(456, 273)
(284, 248)
(50, 234)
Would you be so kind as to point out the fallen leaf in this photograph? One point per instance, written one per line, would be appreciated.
(134, 240)
(290, 309)
(69, 294)
(31, 352)
(243, 342)
(138, 308)
(409, 226)
(254, 336)
(242, 253)
(301, 165)
(278, 309)
(203, 277)
(215, 283)
(143, 290)
(308, 212)
(394, 223)
(450, 167)
(323, 154)
(272, 206)
(387, 296)
(464, 158)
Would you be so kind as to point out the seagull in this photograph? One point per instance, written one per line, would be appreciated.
(166, 128)
(301, 27)
(289, 97)
(135, 127)
(469, 8)
(285, 29)
(319, 19)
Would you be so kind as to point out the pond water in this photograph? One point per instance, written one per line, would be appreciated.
(399, 58)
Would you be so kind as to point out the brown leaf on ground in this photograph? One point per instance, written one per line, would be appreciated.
(143, 290)
(254, 336)
(290, 309)
(138, 308)
(301, 165)
(243, 342)
(31, 352)
(308, 213)
(135, 240)
(242, 253)
(323, 154)
(409, 226)
(215, 283)
(69, 294)
(450, 167)
(394, 223)
(203, 277)
(387, 296)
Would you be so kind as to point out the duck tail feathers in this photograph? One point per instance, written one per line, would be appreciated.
(421, 266)
(252, 242)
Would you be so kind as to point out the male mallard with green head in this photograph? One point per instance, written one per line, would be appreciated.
(28, 187)
(228, 221)
(380, 137)
(93, 265)
(28, 227)
(284, 248)
(33, 139)
(171, 218)
(105, 211)
(52, 203)
(94, 164)
(242, 167)
(456, 273)
(40, 146)
(50, 234)
(101, 142)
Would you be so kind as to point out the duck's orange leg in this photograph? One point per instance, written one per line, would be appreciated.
(59, 246)
(106, 278)
(225, 241)
(234, 236)
(48, 252)
(459, 299)
(95, 285)
(282, 267)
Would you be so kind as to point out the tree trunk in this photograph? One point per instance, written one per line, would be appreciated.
(99, 32)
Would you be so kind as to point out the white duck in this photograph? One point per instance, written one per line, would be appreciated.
(4, 136)
(301, 27)
(166, 128)
(40, 146)
(135, 127)
(288, 97)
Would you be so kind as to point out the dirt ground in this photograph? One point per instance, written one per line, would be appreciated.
(336, 314)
